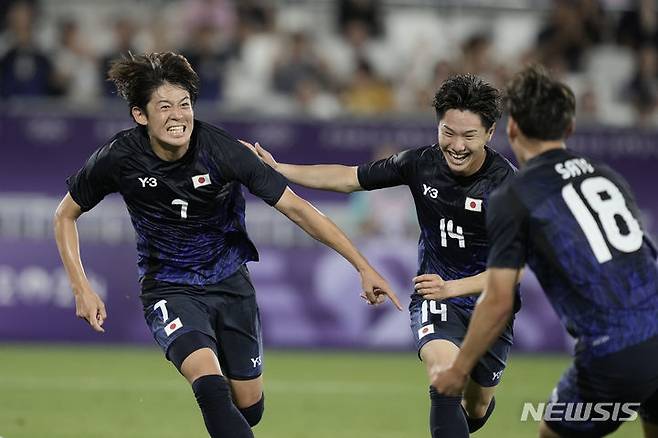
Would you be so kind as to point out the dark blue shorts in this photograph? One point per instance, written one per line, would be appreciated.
(611, 387)
(227, 312)
(432, 319)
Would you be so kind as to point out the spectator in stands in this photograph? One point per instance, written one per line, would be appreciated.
(298, 62)
(125, 32)
(314, 100)
(75, 64)
(218, 14)
(424, 92)
(256, 15)
(638, 26)
(209, 54)
(477, 59)
(25, 70)
(368, 94)
(366, 12)
(569, 32)
(642, 91)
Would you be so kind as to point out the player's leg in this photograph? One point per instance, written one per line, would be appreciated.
(650, 429)
(437, 329)
(239, 338)
(478, 404)
(181, 326)
(194, 356)
(446, 417)
(249, 397)
(596, 388)
(649, 415)
(479, 401)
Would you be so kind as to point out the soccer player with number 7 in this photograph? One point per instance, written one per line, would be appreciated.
(450, 182)
(576, 224)
(181, 180)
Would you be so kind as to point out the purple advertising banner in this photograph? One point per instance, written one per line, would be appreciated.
(308, 295)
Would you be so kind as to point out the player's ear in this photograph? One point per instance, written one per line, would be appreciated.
(491, 131)
(512, 129)
(570, 129)
(139, 115)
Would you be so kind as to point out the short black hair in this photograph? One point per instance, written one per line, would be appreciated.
(137, 77)
(543, 108)
(467, 92)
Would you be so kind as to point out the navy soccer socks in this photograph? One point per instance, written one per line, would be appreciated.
(222, 417)
(254, 413)
(447, 419)
(476, 423)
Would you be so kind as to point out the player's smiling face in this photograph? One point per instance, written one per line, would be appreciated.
(169, 119)
(462, 138)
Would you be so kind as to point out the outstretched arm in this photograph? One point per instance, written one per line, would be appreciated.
(88, 304)
(433, 287)
(332, 177)
(321, 228)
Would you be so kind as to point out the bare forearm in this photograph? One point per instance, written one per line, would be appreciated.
(468, 285)
(321, 228)
(66, 236)
(333, 177)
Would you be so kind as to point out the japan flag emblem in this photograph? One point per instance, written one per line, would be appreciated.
(424, 331)
(473, 204)
(201, 180)
(172, 326)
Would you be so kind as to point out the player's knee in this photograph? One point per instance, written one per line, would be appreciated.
(210, 388)
(476, 408)
(480, 412)
(254, 413)
(194, 355)
(439, 399)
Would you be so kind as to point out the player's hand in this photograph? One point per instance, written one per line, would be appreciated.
(448, 381)
(376, 289)
(90, 307)
(261, 153)
(433, 287)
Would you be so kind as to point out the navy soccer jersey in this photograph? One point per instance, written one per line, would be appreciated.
(576, 225)
(450, 208)
(188, 214)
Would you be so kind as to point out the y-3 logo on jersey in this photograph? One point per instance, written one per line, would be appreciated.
(148, 181)
(430, 191)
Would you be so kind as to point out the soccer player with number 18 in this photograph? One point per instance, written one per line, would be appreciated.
(576, 224)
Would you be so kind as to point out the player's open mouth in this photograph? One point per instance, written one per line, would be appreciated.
(457, 158)
(176, 131)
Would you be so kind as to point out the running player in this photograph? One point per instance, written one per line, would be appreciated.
(576, 225)
(450, 182)
(181, 181)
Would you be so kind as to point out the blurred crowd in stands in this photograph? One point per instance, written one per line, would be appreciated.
(341, 58)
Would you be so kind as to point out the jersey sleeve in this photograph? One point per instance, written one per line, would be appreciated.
(507, 229)
(388, 172)
(96, 179)
(261, 180)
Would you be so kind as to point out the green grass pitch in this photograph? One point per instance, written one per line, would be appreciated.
(131, 392)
